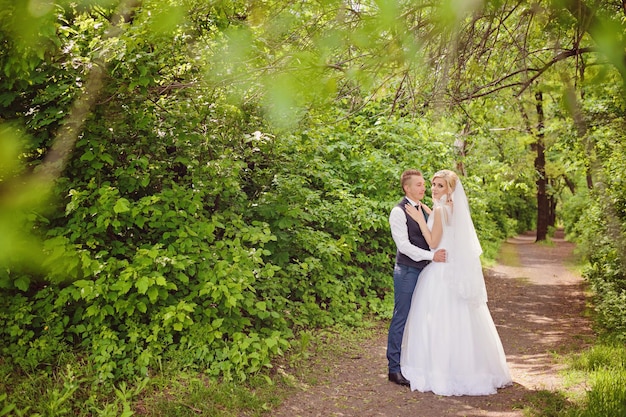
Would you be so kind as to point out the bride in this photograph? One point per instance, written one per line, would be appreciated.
(451, 345)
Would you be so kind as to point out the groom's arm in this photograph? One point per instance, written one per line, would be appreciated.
(400, 234)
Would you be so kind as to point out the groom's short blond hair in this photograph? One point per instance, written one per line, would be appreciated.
(406, 176)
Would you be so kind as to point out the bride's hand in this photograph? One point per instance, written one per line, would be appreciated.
(450, 202)
(415, 214)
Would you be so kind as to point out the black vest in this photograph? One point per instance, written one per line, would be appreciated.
(415, 237)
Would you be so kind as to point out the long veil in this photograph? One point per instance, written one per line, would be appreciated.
(464, 251)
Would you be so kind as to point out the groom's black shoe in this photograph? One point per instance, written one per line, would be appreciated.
(398, 378)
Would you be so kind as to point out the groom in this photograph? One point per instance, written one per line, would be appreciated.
(413, 254)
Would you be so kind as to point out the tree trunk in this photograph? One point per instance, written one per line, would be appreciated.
(552, 202)
(543, 204)
(461, 148)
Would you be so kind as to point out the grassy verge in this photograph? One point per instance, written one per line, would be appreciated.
(597, 381)
(508, 255)
(69, 389)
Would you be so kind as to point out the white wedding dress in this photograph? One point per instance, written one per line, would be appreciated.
(451, 345)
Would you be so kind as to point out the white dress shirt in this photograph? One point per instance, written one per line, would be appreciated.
(400, 234)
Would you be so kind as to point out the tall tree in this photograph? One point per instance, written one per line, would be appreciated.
(543, 200)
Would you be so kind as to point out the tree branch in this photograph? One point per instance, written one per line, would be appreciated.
(58, 156)
(559, 57)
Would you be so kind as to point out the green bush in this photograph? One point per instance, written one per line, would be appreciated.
(598, 222)
(218, 267)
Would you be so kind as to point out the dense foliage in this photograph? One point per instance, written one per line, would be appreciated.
(196, 183)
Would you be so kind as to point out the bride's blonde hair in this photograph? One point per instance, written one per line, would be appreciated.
(449, 177)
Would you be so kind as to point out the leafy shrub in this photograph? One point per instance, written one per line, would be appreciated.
(218, 268)
(600, 232)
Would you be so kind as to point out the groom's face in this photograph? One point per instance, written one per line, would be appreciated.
(415, 188)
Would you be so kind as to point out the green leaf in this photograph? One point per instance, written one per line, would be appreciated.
(143, 284)
(182, 278)
(153, 294)
(123, 286)
(122, 205)
(6, 409)
(22, 283)
(141, 306)
(88, 156)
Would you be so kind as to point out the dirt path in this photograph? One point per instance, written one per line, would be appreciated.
(537, 304)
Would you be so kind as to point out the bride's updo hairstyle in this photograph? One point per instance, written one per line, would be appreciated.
(449, 177)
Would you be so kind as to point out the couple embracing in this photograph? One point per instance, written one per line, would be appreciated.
(441, 337)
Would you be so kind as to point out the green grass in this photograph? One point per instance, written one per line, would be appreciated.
(604, 365)
(508, 255)
(66, 392)
(193, 395)
(70, 388)
(545, 403)
(601, 369)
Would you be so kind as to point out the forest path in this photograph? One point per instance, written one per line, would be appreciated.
(537, 303)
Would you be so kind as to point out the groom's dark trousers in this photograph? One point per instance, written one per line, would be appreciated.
(404, 281)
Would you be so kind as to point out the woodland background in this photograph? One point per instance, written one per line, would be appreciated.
(193, 185)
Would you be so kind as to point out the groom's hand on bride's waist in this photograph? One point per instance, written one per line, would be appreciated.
(440, 256)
